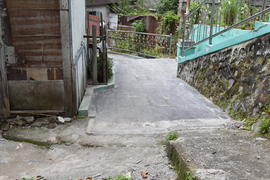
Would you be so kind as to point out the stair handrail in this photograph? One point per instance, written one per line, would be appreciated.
(212, 35)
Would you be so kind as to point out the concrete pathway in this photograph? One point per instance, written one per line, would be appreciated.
(222, 154)
(148, 95)
(131, 122)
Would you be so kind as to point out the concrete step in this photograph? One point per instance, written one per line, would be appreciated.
(213, 154)
(92, 111)
(153, 127)
(86, 102)
(87, 107)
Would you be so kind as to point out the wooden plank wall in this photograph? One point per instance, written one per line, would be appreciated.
(36, 35)
(36, 78)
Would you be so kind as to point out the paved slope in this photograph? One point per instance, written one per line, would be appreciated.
(149, 97)
(131, 121)
(148, 90)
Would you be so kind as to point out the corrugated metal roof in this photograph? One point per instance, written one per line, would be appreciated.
(101, 2)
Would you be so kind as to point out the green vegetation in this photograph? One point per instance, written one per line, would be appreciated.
(100, 69)
(265, 126)
(80, 117)
(243, 10)
(110, 68)
(172, 136)
(190, 176)
(30, 141)
(136, 44)
(156, 52)
(248, 119)
(244, 117)
(121, 177)
(139, 26)
(164, 6)
(229, 11)
(229, 99)
(181, 168)
(34, 178)
(168, 22)
(193, 5)
(127, 7)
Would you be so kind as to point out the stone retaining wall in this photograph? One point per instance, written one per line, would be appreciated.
(236, 78)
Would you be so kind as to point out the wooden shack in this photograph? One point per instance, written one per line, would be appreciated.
(45, 56)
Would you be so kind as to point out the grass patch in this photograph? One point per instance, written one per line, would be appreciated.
(120, 177)
(80, 117)
(190, 176)
(265, 126)
(249, 121)
(182, 170)
(34, 178)
(30, 141)
(172, 136)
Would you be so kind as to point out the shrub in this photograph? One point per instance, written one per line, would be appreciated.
(139, 25)
(172, 136)
(100, 69)
(167, 5)
(265, 126)
(169, 21)
(229, 12)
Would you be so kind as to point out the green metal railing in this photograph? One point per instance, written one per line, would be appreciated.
(213, 20)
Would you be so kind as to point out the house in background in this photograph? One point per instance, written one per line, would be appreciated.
(150, 22)
(96, 7)
(43, 56)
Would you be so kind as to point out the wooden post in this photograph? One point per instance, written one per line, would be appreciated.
(104, 52)
(88, 43)
(94, 63)
(4, 98)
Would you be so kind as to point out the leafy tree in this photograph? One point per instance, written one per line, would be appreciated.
(129, 7)
(167, 5)
(169, 20)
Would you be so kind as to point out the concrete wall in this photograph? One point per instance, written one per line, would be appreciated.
(236, 78)
(78, 28)
(37, 95)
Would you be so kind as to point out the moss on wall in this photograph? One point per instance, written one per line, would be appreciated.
(237, 79)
